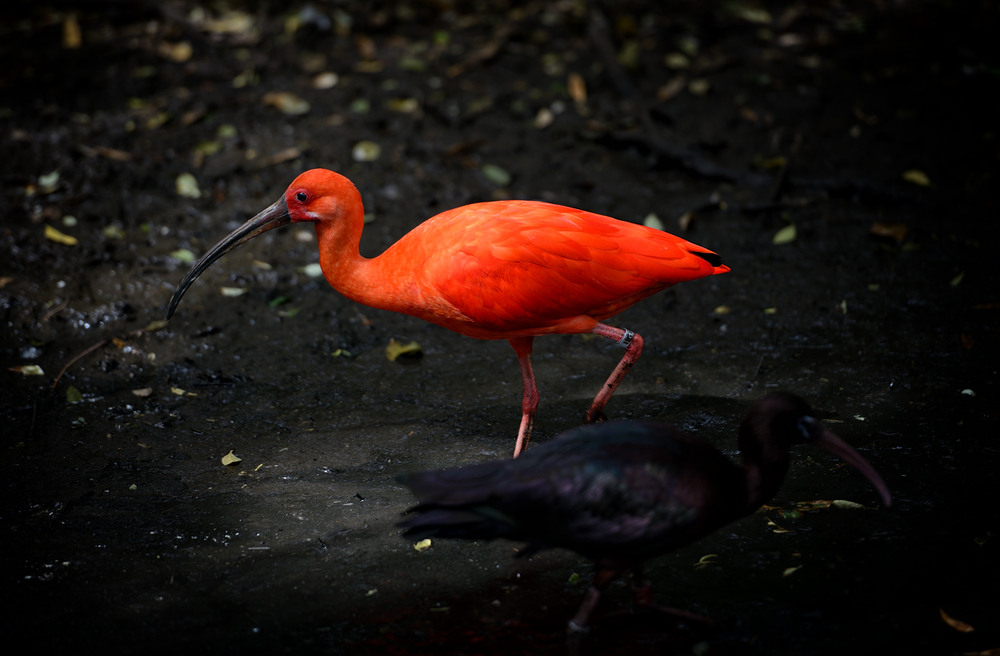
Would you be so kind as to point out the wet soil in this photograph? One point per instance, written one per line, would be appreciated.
(867, 126)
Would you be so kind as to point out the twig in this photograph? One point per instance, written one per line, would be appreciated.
(138, 332)
(78, 356)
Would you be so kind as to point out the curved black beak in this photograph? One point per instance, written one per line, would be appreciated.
(273, 217)
(829, 441)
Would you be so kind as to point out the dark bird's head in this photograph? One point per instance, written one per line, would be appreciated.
(780, 420)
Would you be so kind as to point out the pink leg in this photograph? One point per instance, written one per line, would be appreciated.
(529, 403)
(632, 343)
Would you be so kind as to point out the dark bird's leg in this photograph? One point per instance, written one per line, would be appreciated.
(602, 579)
(632, 343)
(642, 599)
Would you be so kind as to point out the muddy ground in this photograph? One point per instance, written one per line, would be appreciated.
(135, 134)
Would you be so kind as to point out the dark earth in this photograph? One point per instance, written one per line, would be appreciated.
(871, 127)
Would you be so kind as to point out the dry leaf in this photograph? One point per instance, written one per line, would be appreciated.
(287, 103)
(653, 221)
(187, 186)
(396, 349)
(892, 230)
(28, 370)
(577, 88)
(784, 236)
(917, 177)
(958, 625)
(231, 458)
(60, 238)
(366, 151)
(423, 544)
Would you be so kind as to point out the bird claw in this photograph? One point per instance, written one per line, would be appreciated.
(595, 417)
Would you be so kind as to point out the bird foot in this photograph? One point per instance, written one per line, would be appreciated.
(594, 417)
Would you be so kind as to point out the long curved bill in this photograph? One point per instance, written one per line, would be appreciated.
(273, 217)
(829, 441)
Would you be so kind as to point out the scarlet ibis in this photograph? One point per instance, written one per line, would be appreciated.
(621, 492)
(495, 270)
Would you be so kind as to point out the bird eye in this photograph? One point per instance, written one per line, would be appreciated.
(301, 197)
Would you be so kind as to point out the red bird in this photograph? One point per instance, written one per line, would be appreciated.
(496, 270)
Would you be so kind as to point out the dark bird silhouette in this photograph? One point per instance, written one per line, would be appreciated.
(620, 493)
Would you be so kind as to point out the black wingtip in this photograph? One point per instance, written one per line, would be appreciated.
(712, 258)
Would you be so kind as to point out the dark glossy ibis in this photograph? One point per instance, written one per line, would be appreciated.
(620, 493)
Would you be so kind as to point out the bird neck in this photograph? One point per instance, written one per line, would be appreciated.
(371, 281)
(765, 464)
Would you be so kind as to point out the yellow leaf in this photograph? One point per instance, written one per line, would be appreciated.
(917, 177)
(60, 238)
(784, 236)
(721, 309)
(790, 570)
(396, 349)
(423, 544)
(231, 458)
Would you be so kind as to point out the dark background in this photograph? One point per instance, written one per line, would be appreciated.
(123, 532)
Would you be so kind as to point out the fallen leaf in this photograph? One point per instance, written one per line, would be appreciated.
(183, 255)
(776, 528)
(73, 395)
(28, 370)
(232, 292)
(143, 392)
(287, 103)
(231, 458)
(721, 309)
(958, 625)
(60, 238)
(577, 88)
(496, 175)
(423, 544)
(699, 87)
(395, 349)
(784, 236)
(844, 504)
(544, 118)
(706, 560)
(892, 230)
(71, 35)
(790, 570)
(917, 177)
(366, 151)
(313, 270)
(187, 186)
(653, 221)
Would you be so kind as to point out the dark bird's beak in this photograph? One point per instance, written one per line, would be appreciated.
(829, 441)
(273, 217)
